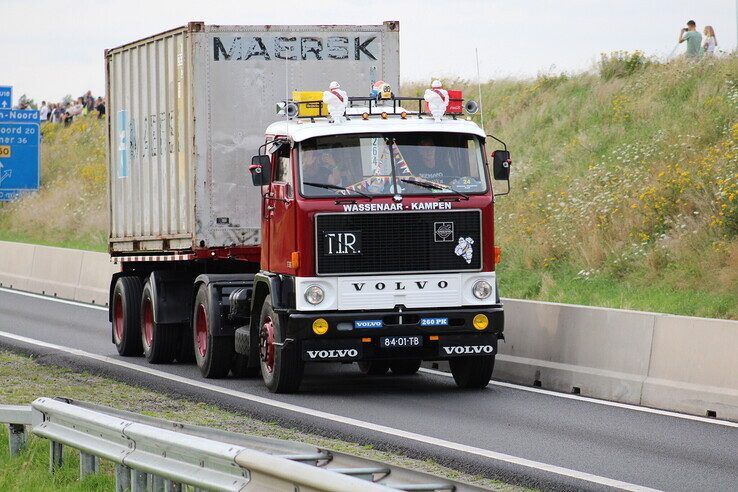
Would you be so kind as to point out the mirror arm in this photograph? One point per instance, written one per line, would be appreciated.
(504, 145)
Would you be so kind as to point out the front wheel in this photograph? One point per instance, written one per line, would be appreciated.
(281, 365)
(472, 372)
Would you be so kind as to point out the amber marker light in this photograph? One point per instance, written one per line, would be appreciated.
(364, 116)
(480, 322)
(498, 255)
(320, 326)
(433, 337)
(384, 115)
(366, 340)
(294, 260)
(403, 115)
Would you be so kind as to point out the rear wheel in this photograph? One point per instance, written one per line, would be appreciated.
(213, 355)
(159, 341)
(405, 367)
(374, 367)
(126, 316)
(281, 365)
(472, 372)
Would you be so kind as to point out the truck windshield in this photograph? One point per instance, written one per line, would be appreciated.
(424, 163)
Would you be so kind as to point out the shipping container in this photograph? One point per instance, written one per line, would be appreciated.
(188, 109)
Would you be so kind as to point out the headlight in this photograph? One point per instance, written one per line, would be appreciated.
(482, 289)
(315, 295)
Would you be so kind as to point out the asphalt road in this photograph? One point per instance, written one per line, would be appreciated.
(515, 433)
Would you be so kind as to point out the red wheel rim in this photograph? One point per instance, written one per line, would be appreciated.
(118, 317)
(266, 344)
(201, 331)
(148, 322)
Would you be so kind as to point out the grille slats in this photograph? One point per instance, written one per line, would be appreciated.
(399, 242)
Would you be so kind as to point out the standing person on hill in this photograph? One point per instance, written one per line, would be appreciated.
(710, 41)
(44, 111)
(693, 39)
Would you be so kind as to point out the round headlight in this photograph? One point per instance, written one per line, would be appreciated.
(482, 289)
(314, 295)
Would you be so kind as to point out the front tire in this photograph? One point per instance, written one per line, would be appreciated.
(213, 355)
(472, 372)
(281, 365)
(159, 341)
(126, 324)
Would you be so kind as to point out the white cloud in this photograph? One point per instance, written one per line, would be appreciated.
(49, 48)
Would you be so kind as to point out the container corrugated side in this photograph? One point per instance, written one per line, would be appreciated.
(150, 144)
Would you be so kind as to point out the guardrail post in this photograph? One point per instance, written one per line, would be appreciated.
(122, 478)
(17, 438)
(157, 483)
(170, 486)
(138, 481)
(55, 455)
(88, 464)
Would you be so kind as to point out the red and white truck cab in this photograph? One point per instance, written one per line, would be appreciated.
(378, 231)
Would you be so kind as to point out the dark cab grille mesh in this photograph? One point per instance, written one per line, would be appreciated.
(400, 242)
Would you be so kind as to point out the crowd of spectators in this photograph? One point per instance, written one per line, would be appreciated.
(66, 111)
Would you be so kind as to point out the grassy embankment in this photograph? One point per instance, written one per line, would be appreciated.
(25, 380)
(625, 187)
(70, 210)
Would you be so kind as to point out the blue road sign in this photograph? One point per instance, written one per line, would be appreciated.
(6, 97)
(19, 152)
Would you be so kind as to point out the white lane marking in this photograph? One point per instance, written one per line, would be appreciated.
(627, 406)
(55, 299)
(556, 394)
(587, 477)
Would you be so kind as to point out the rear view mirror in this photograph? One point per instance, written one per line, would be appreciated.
(260, 170)
(501, 165)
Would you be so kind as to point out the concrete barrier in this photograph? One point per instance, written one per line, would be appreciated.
(671, 362)
(94, 278)
(694, 366)
(69, 273)
(594, 351)
(16, 261)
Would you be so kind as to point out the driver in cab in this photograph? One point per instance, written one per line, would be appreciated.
(426, 165)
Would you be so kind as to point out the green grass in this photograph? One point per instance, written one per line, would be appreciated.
(24, 380)
(29, 471)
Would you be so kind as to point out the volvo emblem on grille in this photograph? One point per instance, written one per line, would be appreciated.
(342, 243)
(443, 232)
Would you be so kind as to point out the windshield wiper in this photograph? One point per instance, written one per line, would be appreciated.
(433, 186)
(328, 186)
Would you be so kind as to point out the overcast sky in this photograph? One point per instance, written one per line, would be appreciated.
(49, 48)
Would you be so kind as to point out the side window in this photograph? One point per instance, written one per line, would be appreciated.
(283, 171)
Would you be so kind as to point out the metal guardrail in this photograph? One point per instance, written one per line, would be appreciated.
(154, 454)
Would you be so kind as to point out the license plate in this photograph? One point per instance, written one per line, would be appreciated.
(401, 342)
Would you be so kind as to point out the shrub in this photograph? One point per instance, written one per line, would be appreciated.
(619, 64)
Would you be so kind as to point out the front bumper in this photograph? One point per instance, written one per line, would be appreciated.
(345, 342)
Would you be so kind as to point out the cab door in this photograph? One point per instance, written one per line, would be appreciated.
(280, 212)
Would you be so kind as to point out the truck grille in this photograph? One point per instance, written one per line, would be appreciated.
(397, 242)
